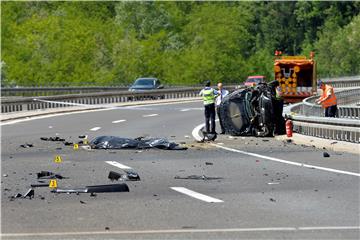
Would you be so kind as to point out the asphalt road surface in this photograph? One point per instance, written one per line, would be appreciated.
(253, 188)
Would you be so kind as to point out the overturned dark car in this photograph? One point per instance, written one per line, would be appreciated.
(253, 112)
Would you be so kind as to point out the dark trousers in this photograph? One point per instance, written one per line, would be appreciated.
(210, 118)
(279, 121)
(331, 111)
(221, 124)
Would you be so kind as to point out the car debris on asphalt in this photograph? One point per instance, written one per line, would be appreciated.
(198, 177)
(128, 176)
(49, 175)
(122, 187)
(27, 145)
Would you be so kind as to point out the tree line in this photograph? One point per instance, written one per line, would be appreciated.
(181, 43)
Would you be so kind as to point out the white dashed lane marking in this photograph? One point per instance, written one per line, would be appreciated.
(196, 195)
(119, 165)
(95, 129)
(119, 121)
(151, 115)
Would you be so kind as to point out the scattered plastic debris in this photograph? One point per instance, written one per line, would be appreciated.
(54, 139)
(128, 176)
(5, 175)
(122, 187)
(131, 175)
(273, 200)
(82, 202)
(325, 154)
(198, 177)
(49, 175)
(30, 193)
(208, 136)
(334, 143)
(288, 140)
(114, 176)
(83, 136)
(18, 195)
(112, 142)
(209, 163)
(39, 185)
(27, 145)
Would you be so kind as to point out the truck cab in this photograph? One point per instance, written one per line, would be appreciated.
(296, 76)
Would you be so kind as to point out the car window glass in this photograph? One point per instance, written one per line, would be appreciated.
(144, 82)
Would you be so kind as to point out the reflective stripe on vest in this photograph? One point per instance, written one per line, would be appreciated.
(331, 101)
(208, 96)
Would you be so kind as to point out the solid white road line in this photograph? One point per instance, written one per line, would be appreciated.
(151, 115)
(196, 195)
(196, 131)
(287, 162)
(119, 121)
(66, 103)
(95, 129)
(180, 231)
(119, 165)
(185, 110)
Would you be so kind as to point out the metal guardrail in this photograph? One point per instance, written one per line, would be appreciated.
(343, 82)
(33, 103)
(347, 100)
(308, 118)
(48, 91)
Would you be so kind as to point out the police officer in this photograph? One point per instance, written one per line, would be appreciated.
(208, 95)
(328, 99)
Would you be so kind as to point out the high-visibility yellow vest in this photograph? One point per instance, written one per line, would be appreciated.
(208, 96)
(331, 101)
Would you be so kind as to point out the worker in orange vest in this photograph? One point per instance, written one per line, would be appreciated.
(328, 99)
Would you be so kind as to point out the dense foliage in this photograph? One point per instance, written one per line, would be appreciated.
(112, 43)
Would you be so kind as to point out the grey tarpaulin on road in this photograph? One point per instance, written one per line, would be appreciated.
(112, 142)
(249, 111)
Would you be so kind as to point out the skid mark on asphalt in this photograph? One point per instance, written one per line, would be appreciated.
(119, 165)
(196, 195)
(119, 121)
(151, 115)
(95, 129)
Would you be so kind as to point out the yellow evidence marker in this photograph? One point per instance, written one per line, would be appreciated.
(76, 146)
(58, 159)
(53, 183)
